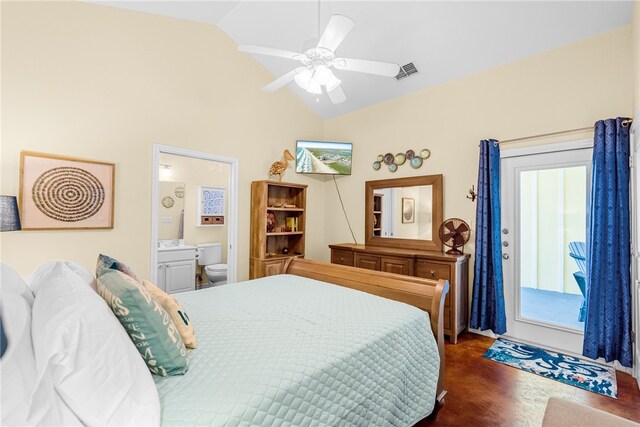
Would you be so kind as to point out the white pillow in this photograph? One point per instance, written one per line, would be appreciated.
(45, 269)
(10, 281)
(18, 367)
(95, 367)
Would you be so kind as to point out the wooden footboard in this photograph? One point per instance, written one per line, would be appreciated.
(425, 294)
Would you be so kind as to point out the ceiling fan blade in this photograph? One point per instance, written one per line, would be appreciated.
(282, 80)
(261, 50)
(337, 29)
(337, 95)
(386, 69)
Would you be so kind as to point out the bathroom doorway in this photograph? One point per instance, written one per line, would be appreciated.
(193, 218)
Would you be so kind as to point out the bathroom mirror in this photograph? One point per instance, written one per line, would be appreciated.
(171, 197)
(404, 212)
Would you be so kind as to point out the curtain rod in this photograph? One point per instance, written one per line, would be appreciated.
(625, 123)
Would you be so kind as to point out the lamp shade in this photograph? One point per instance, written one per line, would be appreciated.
(9, 216)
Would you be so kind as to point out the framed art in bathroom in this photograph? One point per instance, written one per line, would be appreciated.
(210, 206)
(58, 192)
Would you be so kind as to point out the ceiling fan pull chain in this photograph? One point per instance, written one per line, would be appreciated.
(318, 27)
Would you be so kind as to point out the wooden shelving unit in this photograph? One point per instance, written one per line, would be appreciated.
(377, 215)
(267, 255)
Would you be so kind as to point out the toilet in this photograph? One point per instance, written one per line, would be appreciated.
(209, 256)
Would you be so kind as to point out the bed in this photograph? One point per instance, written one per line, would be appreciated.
(292, 350)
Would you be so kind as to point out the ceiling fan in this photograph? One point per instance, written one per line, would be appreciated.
(314, 73)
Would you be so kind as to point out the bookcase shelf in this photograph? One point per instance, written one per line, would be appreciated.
(284, 233)
(267, 247)
(286, 209)
(377, 214)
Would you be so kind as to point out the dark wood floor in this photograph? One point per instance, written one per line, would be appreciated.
(482, 392)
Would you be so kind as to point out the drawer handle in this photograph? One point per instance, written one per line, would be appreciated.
(160, 267)
(433, 273)
(342, 259)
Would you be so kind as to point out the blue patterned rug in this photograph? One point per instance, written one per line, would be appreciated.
(557, 366)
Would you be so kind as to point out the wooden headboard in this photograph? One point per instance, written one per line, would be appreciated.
(425, 294)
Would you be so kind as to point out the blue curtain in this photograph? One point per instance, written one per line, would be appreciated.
(608, 324)
(487, 305)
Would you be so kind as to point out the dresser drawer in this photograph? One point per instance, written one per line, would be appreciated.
(435, 271)
(432, 270)
(397, 265)
(341, 257)
(370, 262)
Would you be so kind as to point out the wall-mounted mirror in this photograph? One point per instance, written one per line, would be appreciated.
(404, 212)
(171, 210)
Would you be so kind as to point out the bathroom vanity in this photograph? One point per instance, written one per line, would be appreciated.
(176, 268)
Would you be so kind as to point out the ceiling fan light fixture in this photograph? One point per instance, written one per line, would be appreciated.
(314, 87)
(323, 75)
(304, 78)
(315, 71)
(312, 80)
(333, 83)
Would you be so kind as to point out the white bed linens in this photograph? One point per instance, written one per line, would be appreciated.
(286, 350)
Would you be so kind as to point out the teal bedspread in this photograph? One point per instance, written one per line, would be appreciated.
(286, 350)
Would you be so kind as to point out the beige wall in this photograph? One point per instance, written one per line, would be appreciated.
(565, 88)
(101, 83)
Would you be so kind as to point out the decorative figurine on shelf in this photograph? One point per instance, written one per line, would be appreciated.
(278, 168)
(271, 222)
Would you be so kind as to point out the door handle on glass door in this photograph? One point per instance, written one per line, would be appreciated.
(505, 256)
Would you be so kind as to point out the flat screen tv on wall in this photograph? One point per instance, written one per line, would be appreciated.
(321, 157)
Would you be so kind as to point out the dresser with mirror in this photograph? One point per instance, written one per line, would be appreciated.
(402, 218)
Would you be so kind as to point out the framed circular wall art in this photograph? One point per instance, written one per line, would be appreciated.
(59, 192)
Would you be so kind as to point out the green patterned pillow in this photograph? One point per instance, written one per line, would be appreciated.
(146, 321)
(106, 263)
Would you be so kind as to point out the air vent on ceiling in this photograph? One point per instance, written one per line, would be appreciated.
(406, 71)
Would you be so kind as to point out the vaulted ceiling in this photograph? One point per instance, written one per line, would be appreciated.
(444, 39)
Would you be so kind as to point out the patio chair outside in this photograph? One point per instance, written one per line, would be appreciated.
(578, 251)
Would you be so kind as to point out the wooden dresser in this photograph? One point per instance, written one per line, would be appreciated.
(428, 264)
